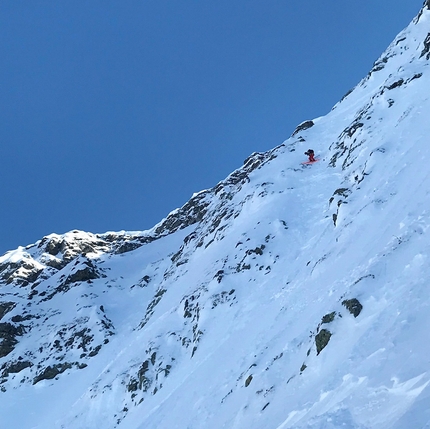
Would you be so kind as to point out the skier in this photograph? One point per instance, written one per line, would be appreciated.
(311, 154)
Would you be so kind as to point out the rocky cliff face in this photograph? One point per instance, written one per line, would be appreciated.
(37, 275)
(287, 296)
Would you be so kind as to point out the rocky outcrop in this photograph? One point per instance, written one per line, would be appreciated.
(8, 337)
(426, 49)
(70, 245)
(303, 126)
(322, 339)
(14, 367)
(353, 305)
(51, 372)
(197, 208)
(21, 273)
(5, 307)
(189, 214)
(87, 271)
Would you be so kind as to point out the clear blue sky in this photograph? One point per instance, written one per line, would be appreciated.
(113, 113)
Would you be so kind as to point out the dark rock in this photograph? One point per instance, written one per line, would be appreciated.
(95, 351)
(29, 274)
(19, 318)
(243, 267)
(166, 370)
(395, 84)
(426, 50)
(353, 305)
(144, 382)
(328, 318)
(79, 339)
(85, 272)
(8, 334)
(250, 164)
(52, 245)
(68, 249)
(248, 381)
(400, 40)
(177, 255)
(303, 126)
(219, 275)
(15, 367)
(128, 246)
(334, 216)
(259, 250)
(350, 131)
(5, 307)
(303, 367)
(187, 312)
(425, 5)
(346, 95)
(151, 306)
(58, 264)
(190, 213)
(223, 298)
(51, 372)
(132, 385)
(33, 275)
(194, 211)
(344, 192)
(379, 65)
(416, 76)
(4, 267)
(82, 275)
(125, 243)
(322, 339)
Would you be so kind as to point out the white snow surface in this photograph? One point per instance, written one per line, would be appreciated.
(215, 324)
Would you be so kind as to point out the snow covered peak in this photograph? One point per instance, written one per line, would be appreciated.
(287, 296)
(408, 51)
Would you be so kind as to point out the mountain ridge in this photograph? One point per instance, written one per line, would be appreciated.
(274, 299)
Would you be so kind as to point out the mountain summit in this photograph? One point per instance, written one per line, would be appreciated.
(287, 296)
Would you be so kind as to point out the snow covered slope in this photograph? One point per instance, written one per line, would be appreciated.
(287, 296)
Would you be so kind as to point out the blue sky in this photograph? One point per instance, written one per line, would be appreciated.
(113, 113)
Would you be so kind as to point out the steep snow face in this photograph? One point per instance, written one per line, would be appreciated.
(288, 296)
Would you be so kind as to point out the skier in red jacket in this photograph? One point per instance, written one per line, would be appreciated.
(311, 154)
